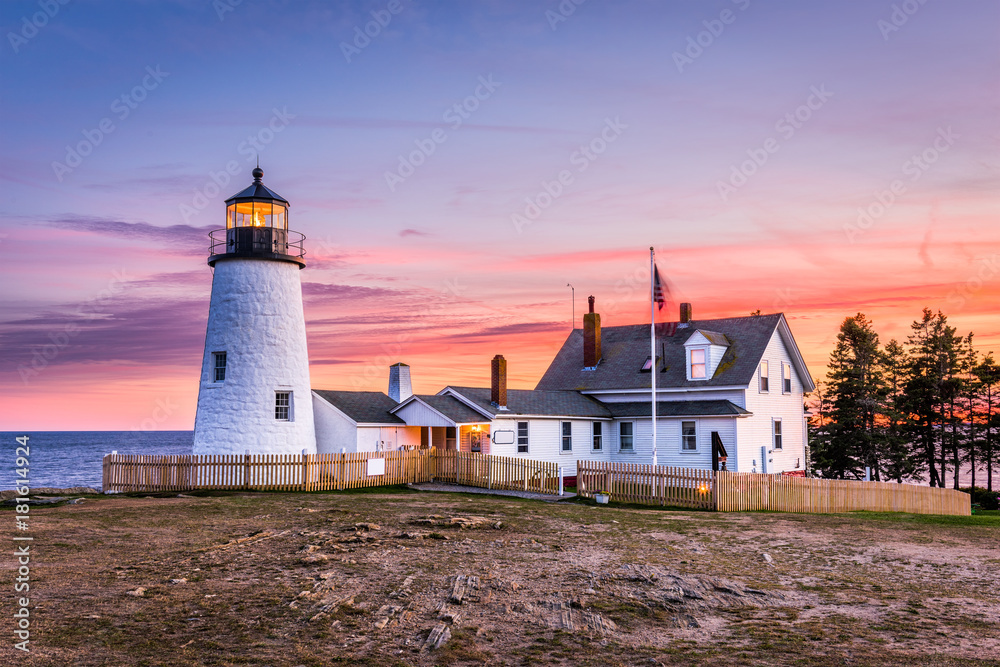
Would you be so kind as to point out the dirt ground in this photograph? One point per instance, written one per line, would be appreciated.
(398, 577)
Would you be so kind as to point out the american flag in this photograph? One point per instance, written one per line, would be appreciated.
(661, 293)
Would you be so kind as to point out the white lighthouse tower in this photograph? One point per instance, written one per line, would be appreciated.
(255, 394)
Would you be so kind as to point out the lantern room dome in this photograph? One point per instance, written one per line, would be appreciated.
(257, 191)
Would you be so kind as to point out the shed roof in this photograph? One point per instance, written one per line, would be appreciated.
(364, 407)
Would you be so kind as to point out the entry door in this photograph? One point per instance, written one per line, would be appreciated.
(476, 441)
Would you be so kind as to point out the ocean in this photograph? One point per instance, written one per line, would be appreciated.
(73, 458)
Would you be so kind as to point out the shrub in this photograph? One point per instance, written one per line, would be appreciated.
(988, 500)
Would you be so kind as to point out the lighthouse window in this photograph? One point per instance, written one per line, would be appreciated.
(220, 366)
(282, 403)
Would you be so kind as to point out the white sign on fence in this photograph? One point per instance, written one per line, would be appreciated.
(376, 467)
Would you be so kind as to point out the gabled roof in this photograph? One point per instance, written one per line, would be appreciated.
(626, 348)
(448, 407)
(533, 402)
(715, 408)
(364, 407)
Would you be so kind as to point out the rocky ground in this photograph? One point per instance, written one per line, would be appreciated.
(396, 577)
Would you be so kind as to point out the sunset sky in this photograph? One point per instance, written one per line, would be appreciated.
(740, 138)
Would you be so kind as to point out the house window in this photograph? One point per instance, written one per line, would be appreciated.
(282, 405)
(689, 437)
(522, 437)
(648, 364)
(786, 378)
(449, 439)
(763, 376)
(567, 436)
(220, 366)
(598, 436)
(697, 364)
(625, 436)
(777, 433)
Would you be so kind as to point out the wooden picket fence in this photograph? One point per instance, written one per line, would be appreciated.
(742, 491)
(626, 482)
(647, 484)
(497, 472)
(324, 472)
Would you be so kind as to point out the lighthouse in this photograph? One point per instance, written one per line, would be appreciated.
(254, 394)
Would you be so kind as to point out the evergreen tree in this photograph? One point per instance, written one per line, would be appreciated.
(932, 385)
(819, 435)
(855, 394)
(895, 426)
(987, 375)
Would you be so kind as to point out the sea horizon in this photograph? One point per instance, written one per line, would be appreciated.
(64, 459)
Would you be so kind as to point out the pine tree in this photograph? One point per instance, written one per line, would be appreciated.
(895, 426)
(855, 394)
(932, 386)
(818, 424)
(987, 375)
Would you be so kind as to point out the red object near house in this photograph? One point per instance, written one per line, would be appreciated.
(795, 473)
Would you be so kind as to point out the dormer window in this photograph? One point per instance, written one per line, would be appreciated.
(703, 352)
(698, 367)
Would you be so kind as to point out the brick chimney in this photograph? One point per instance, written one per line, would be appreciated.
(399, 382)
(686, 313)
(591, 337)
(498, 382)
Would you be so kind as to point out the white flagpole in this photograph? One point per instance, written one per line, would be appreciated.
(652, 341)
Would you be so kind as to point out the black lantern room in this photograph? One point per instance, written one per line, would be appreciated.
(257, 226)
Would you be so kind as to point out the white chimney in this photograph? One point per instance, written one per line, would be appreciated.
(399, 382)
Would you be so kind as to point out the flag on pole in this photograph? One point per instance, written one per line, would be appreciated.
(661, 293)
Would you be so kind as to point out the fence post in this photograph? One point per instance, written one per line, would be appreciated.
(246, 470)
(343, 468)
(715, 490)
(561, 480)
(305, 471)
(489, 472)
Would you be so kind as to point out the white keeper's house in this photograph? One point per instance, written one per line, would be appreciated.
(731, 386)
(729, 391)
